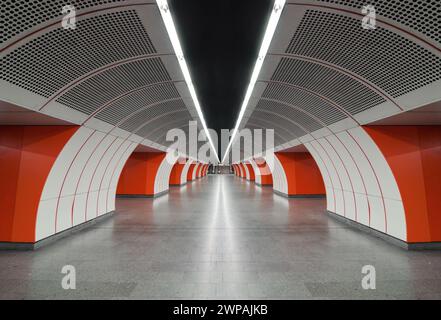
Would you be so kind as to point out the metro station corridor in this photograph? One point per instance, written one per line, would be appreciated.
(220, 149)
(220, 238)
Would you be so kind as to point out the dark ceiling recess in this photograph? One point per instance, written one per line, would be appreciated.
(221, 40)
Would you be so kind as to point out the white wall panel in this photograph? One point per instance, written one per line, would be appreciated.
(257, 177)
(355, 170)
(163, 174)
(84, 167)
(185, 171)
(335, 180)
(330, 195)
(396, 219)
(89, 170)
(247, 174)
(280, 182)
(343, 178)
(195, 170)
(45, 225)
(105, 181)
(389, 187)
(111, 192)
(61, 165)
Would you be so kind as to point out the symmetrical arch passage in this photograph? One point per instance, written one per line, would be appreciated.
(322, 83)
(125, 90)
(370, 175)
(77, 181)
(319, 87)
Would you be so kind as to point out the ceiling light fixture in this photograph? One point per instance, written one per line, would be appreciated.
(269, 33)
(173, 35)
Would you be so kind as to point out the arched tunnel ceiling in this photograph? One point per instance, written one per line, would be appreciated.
(116, 72)
(324, 72)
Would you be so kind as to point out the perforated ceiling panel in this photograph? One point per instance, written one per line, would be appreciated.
(159, 127)
(392, 62)
(107, 68)
(280, 121)
(310, 103)
(20, 15)
(96, 91)
(51, 61)
(278, 139)
(290, 113)
(151, 113)
(163, 137)
(421, 15)
(283, 132)
(148, 97)
(341, 89)
(160, 136)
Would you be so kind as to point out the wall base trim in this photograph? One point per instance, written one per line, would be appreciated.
(178, 185)
(27, 246)
(263, 185)
(300, 196)
(388, 238)
(156, 195)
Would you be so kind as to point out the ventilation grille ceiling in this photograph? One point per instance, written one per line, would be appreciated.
(151, 113)
(280, 122)
(278, 139)
(423, 15)
(341, 89)
(158, 128)
(18, 16)
(148, 97)
(310, 103)
(290, 113)
(388, 60)
(278, 130)
(96, 91)
(51, 61)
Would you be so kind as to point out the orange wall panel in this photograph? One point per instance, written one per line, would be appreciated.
(251, 171)
(190, 172)
(266, 178)
(414, 156)
(27, 154)
(175, 174)
(199, 172)
(11, 139)
(302, 173)
(139, 173)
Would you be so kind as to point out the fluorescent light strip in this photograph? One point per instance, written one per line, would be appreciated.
(269, 33)
(171, 30)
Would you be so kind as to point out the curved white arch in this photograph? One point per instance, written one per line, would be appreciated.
(359, 182)
(247, 173)
(257, 176)
(185, 171)
(280, 182)
(163, 174)
(195, 170)
(81, 184)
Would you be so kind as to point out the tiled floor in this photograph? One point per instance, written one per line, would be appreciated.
(220, 238)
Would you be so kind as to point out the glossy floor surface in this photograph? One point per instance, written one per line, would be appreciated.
(220, 238)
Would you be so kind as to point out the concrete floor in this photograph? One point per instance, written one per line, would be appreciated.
(220, 238)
